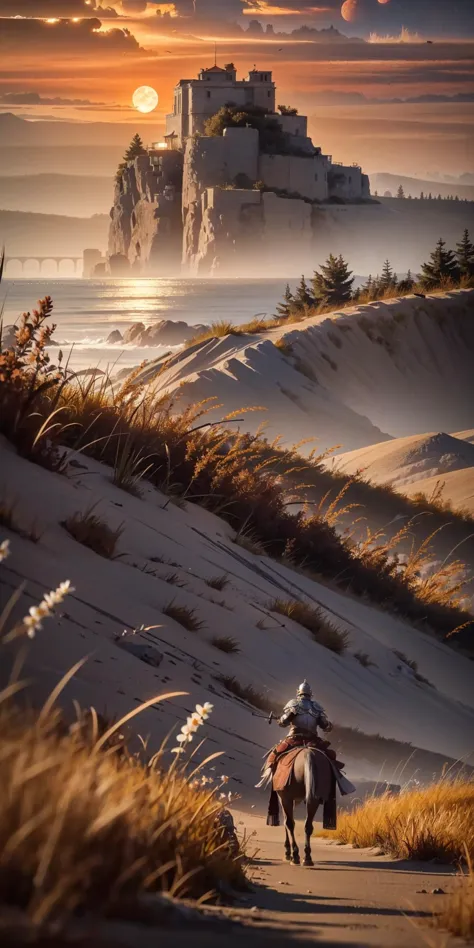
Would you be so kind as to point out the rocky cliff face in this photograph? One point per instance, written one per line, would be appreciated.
(146, 230)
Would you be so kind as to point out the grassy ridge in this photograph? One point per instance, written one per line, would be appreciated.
(143, 434)
(435, 822)
(91, 827)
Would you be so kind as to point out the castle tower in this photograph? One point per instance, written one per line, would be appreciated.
(195, 100)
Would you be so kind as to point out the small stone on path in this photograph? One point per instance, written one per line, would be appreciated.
(438, 892)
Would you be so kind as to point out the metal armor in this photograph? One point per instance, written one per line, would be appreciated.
(304, 714)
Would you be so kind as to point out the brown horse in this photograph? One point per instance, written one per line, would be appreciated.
(312, 780)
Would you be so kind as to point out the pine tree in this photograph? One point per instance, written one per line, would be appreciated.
(441, 266)
(400, 193)
(422, 196)
(388, 279)
(135, 149)
(302, 297)
(334, 283)
(367, 287)
(465, 255)
(407, 285)
(283, 310)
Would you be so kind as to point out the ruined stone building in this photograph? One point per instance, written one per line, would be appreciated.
(250, 199)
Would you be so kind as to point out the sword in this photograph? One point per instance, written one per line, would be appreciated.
(271, 716)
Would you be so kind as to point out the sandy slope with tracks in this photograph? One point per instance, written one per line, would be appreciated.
(357, 377)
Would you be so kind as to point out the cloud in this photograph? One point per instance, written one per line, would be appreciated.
(34, 98)
(59, 8)
(22, 35)
(340, 97)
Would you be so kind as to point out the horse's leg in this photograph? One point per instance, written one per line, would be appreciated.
(290, 827)
(311, 809)
(287, 845)
(286, 804)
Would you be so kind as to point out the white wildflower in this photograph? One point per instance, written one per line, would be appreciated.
(222, 796)
(33, 621)
(204, 710)
(184, 738)
(4, 550)
(224, 779)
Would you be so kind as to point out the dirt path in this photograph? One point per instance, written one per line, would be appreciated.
(350, 897)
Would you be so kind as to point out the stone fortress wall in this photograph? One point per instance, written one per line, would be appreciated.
(225, 204)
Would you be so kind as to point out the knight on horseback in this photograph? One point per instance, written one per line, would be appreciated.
(303, 767)
(304, 716)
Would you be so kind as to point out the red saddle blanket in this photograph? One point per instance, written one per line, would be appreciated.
(284, 769)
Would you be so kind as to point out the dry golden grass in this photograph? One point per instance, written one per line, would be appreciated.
(87, 826)
(458, 913)
(246, 693)
(186, 616)
(241, 477)
(218, 582)
(322, 630)
(94, 533)
(365, 660)
(227, 644)
(8, 519)
(435, 822)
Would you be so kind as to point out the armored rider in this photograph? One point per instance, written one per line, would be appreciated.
(304, 716)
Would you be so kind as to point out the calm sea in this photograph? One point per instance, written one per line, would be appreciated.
(86, 311)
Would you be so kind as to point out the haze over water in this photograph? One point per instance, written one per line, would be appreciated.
(86, 311)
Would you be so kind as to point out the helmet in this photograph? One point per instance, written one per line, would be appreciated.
(305, 689)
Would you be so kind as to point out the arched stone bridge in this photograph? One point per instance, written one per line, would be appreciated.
(77, 262)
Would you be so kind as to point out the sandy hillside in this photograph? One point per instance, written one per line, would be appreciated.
(166, 554)
(421, 463)
(466, 435)
(361, 376)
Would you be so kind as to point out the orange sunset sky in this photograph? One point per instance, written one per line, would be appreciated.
(80, 61)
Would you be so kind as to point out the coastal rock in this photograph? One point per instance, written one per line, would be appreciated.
(9, 338)
(114, 336)
(164, 333)
(145, 220)
(133, 333)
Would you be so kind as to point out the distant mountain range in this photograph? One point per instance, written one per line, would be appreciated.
(16, 131)
(65, 194)
(51, 233)
(382, 182)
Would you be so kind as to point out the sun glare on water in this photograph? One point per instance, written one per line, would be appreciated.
(145, 99)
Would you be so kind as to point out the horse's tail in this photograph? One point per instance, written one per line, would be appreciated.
(310, 774)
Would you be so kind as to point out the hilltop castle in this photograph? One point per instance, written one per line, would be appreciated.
(209, 201)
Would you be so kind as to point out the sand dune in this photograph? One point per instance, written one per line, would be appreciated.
(418, 464)
(183, 548)
(355, 378)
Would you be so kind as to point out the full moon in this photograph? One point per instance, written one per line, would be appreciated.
(145, 99)
(350, 10)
